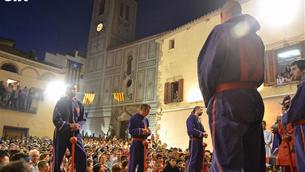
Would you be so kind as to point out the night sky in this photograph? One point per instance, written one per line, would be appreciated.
(63, 25)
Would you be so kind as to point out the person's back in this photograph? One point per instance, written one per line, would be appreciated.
(230, 69)
(241, 57)
(235, 55)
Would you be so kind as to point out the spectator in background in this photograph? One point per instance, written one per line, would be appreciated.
(124, 165)
(274, 129)
(9, 94)
(276, 136)
(24, 94)
(89, 165)
(44, 157)
(116, 168)
(280, 79)
(171, 165)
(34, 155)
(29, 99)
(14, 96)
(102, 162)
(268, 139)
(43, 166)
(19, 156)
(4, 158)
(65, 165)
(2, 92)
(18, 166)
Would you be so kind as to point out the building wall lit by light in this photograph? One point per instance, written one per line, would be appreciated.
(32, 74)
(181, 62)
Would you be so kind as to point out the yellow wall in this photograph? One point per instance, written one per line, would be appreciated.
(173, 127)
(30, 73)
(181, 62)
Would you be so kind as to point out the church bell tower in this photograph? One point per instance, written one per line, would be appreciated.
(112, 24)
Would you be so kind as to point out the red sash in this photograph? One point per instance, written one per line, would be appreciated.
(234, 85)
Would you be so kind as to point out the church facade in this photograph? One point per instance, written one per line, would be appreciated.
(120, 71)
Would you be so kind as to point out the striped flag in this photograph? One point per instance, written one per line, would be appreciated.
(119, 96)
(88, 98)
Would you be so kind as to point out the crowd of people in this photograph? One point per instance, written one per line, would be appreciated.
(106, 154)
(103, 155)
(12, 96)
(284, 77)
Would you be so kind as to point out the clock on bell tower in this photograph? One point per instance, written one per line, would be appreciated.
(112, 24)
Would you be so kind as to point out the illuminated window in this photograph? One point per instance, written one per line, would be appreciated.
(277, 63)
(284, 58)
(173, 91)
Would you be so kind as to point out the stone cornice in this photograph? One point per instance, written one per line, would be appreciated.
(31, 62)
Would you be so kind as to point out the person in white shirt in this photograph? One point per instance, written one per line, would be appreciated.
(34, 155)
(267, 138)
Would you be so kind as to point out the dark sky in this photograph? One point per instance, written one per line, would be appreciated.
(62, 25)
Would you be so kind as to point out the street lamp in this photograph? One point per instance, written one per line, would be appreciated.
(55, 90)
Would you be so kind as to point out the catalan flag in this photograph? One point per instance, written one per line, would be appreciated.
(119, 96)
(88, 98)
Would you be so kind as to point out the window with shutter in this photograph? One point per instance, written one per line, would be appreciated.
(270, 64)
(180, 90)
(166, 100)
(173, 92)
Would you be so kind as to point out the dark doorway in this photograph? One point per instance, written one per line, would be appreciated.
(15, 132)
(124, 129)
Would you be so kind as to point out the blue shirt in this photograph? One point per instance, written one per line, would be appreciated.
(68, 111)
(296, 109)
(226, 57)
(136, 123)
(194, 127)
